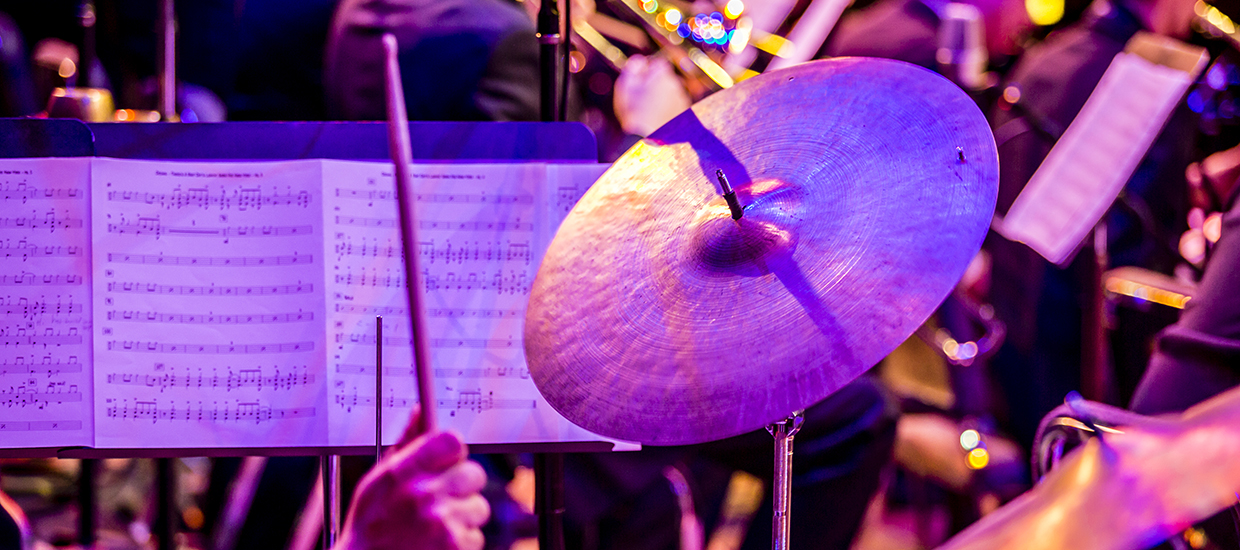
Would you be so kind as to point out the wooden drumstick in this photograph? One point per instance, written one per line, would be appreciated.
(402, 157)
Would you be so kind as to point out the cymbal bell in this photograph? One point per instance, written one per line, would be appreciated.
(866, 187)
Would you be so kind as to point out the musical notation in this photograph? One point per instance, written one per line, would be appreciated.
(243, 378)
(370, 310)
(40, 426)
(474, 343)
(24, 193)
(440, 225)
(476, 313)
(566, 198)
(34, 309)
(208, 261)
(459, 254)
(48, 368)
(242, 199)
(50, 338)
(459, 198)
(209, 349)
(38, 400)
(487, 372)
(464, 401)
(210, 290)
(513, 283)
(209, 318)
(48, 222)
(30, 279)
(237, 412)
(152, 226)
(28, 251)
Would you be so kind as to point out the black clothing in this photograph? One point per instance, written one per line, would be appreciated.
(461, 60)
(904, 30)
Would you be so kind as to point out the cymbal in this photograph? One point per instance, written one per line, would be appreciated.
(867, 186)
(1128, 491)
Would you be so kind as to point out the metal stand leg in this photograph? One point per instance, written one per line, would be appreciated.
(329, 466)
(549, 499)
(166, 518)
(87, 509)
(781, 493)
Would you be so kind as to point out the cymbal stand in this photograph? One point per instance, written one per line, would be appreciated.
(781, 491)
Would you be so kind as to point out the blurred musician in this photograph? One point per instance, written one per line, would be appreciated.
(461, 60)
(1042, 304)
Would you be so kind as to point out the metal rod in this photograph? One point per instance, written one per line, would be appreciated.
(548, 56)
(729, 195)
(167, 61)
(781, 492)
(378, 388)
(88, 510)
(166, 512)
(402, 157)
(549, 499)
(1097, 379)
(329, 466)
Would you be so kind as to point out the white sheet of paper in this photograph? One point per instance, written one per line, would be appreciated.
(45, 384)
(208, 292)
(1088, 166)
(482, 230)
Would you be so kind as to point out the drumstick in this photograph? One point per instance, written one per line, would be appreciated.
(402, 157)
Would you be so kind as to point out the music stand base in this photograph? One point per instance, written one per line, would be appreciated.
(781, 490)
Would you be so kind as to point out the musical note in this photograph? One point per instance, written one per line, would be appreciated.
(209, 318)
(244, 199)
(29, 251)
(31, 279)
(22, 398)
(451, 313)
(243, 378)
(441, 225)
(212, 349)
(210, 290)
(50, 222)
(50, 338)
(371, 310)
(24, 193)
(458, 198)
(464, 401)
(236, 412)
(36, 309)
(513, 283)
(208, 261)
(151, 226)
(474, 343)
(50, 369)
(487, 372)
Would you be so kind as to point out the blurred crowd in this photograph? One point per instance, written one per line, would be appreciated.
(937, 436)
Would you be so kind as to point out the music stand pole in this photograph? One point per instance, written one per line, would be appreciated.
(781, 490)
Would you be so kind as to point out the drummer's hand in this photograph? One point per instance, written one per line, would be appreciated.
(423, 495)
(1212, 180)
(648, 94)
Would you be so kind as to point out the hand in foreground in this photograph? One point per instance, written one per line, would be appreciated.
(648, 94)
(423, 495)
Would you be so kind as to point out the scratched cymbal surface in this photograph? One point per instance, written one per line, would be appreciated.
(867, 187)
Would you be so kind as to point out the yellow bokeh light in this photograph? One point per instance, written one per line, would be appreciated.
(978, 458)
(67, 68)
(734, 9)
(1044, 12)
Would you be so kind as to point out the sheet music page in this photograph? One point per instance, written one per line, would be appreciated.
(1087, 168)
(209, 301)
(482, 230)
(45, 383)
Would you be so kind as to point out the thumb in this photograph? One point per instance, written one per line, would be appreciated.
(437, 452)
(413, 429)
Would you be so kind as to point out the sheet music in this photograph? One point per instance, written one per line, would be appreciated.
(208, 292)
(45, 314)
(1087, 168)
(483, 229)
